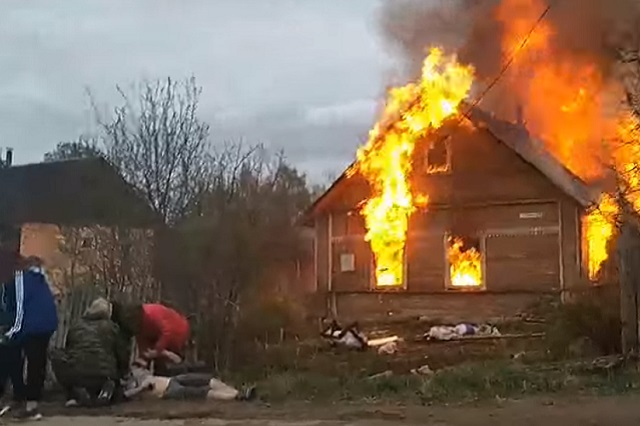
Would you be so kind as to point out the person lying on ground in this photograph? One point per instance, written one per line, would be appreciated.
(161, 332)
(95, 358)
(192, 386)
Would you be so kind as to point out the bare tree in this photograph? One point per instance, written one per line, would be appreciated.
(159, 144)
(224, 257)
(231, 214)
(83, 147)
(625, 173)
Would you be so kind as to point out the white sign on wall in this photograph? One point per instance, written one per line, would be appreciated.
(347, 262)
(531, 215)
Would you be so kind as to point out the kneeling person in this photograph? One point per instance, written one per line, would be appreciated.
(95, 358)
(183, 386)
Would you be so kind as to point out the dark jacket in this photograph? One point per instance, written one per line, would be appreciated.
(7, 307)
(128, 316)
(95, 348)
(7, 311)
(30, 305)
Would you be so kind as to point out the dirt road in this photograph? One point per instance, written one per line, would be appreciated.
(110, 421)
(578, 411)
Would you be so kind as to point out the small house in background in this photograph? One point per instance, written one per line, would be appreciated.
(499, 205)
(44, 205)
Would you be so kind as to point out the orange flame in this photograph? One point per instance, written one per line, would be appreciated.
(601, 220)
(599, 230)
(626, 157)
(465, 267)
(571, 106)
(562, 94)
(410, 113)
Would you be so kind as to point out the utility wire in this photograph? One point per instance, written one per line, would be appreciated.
(491, 85)
(511, 59)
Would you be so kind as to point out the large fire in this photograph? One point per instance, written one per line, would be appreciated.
(572, 107)
(465, 266)
(599, 229)
(600, 223)
(411, 113)
(566, 101)
(562, 94)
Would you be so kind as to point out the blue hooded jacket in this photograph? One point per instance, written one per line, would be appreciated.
(30, 304)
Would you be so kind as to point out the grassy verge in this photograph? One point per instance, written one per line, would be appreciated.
(475, 381)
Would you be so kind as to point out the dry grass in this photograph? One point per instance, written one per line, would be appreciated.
(473, 381)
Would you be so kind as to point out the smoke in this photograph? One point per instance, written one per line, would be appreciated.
(566, 79)
(590, 29)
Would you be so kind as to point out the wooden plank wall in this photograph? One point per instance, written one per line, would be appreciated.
(528, 228)
(521, 252)
(437, 308)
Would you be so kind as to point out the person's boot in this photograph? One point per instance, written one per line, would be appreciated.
(30, 411)
(7, 408)
(106, 393)
(82, 397)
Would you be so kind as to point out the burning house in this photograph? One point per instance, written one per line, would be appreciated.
(460, 212)
(502, 228)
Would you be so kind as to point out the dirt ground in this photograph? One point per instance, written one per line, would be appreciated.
(549, 411)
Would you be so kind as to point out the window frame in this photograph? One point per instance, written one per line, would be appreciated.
(388, 288)
(449, 166)
(482, 237)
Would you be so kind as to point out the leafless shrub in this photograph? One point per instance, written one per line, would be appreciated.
(160, 145)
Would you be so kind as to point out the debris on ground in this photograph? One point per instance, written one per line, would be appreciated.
(383, 341)
(520, 355)
(350, 337)
(389, 348)
(383, 375)
(606, 363)
(460, 331)
(425, 370)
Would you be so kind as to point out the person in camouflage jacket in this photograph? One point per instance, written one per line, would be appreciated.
(95, 358)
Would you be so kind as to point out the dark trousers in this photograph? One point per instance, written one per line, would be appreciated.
(83, 388)
(12, 368)
(35, 349)
(188, 386)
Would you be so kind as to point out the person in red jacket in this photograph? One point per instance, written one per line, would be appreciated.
(163, 330)
(161, 333)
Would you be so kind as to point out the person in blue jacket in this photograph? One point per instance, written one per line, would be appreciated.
(35, 320)
(11, 358)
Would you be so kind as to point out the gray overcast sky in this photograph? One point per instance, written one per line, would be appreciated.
(303, 75)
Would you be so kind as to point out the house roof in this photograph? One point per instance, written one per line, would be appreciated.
(74, 192)
(532, 151)
(522, 143)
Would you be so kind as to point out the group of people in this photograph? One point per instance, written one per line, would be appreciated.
(94, 367)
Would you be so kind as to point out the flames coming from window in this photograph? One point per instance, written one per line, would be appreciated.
(411, 112)
(465, 266)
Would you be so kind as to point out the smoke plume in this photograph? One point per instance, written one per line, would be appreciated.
(565, 80)
(593, 29)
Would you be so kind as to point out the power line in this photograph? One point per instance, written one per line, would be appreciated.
(511, 59)
(491, 85)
